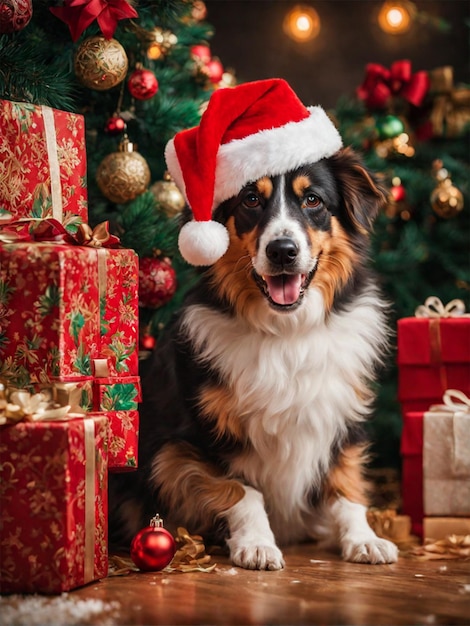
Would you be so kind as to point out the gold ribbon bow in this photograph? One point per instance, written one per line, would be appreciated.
(48, 405)
(433, 307)
(454, 401)
(96, 237)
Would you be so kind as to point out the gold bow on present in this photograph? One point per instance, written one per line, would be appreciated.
(454, 401)
(433, 307)
(96, 237)
(60, 401)
(451, 105)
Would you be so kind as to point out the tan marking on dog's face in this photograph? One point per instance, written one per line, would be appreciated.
(336, 262)
(231, 275)
(265, 187)
(346, 478)
(218, 406)
(194, 491)
(300, 184)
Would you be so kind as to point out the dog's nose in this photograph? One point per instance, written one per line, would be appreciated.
(282, 251)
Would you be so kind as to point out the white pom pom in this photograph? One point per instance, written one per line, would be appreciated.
(203, 243)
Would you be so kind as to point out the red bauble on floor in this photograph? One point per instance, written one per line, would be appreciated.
(153, 548)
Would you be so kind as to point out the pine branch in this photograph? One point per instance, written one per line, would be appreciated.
(25, 77)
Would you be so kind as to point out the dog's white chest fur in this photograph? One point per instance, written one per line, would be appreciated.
(295, 379)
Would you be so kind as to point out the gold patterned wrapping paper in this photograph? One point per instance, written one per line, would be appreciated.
(53, 502)
(42, 164)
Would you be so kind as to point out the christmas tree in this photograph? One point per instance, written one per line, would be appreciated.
(138, 72)
(413, 130)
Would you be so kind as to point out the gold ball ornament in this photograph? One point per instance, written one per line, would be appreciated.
(123, 175)
(446, 199)
(100, 63)
(168, 196)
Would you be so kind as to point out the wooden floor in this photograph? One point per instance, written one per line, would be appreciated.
(314, 588)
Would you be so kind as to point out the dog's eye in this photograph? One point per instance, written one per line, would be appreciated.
(251, 200)
(312, 201)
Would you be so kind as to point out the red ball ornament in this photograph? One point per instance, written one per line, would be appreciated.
(115, 125)
(157, 281)
(147, 342)
(215, 70)
(15, 15)
(201, 52)
(153, 548)
(142, 84)
(398, 193)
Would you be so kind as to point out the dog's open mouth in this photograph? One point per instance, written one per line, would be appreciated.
(284, 290)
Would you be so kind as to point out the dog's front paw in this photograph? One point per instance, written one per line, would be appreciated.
(369, 550)
(257, 556)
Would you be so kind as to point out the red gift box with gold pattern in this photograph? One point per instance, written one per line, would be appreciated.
(43, 164)
(123, 445)
(64, 307)
(117, 393)
(53, 529)
(433, 355)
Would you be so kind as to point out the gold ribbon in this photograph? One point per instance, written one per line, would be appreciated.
(457, 403)
(433, 307)
(60, 402)
(54, 167)
(100, 368)
(90, 469)
(96, 237)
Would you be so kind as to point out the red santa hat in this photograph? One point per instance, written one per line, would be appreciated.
(253, 130)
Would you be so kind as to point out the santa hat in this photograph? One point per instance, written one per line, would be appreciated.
(253, 130)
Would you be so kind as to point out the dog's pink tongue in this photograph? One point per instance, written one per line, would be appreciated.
(284, 289)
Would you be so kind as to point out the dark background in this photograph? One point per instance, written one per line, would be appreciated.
(250, 40)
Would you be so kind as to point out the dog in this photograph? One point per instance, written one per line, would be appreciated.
(252, 424)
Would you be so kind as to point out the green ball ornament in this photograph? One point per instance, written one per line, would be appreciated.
(389, 126)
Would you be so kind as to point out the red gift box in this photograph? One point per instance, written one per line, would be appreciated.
(65, 307)
(53, 529)
(433, 355)
(435, 465)
(118, 393)
(411, 449)
(44, 162)
(123, 445)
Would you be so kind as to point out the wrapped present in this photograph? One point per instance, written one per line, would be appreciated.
(435, 528)
(123, 445)
(446, 456)
(60, 398)
(411, 450)
(43, 165)
(433, 354)
(65, 306)
(118, 393)
(450, 114)
(53, 529)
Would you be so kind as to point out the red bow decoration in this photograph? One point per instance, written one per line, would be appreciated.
(380, 84)
(79, 14)
(51, 230)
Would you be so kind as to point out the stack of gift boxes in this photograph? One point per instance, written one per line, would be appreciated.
(434, 392)
(68, 349)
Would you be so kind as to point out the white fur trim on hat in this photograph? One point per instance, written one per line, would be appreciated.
(203, 243)
(274, 151)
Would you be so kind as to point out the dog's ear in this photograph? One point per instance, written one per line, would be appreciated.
(361, 193)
